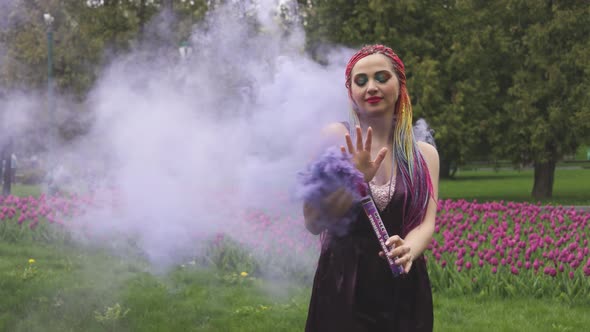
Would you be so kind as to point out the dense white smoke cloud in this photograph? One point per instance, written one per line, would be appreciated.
(185, 145)
(189, 144)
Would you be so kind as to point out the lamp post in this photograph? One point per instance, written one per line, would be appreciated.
(49, 25)
(6, 161)
(185, 50)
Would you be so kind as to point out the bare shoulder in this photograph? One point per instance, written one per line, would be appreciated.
(430, 154)
(334, 130)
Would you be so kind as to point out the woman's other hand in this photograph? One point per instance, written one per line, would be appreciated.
(338, 203)
(335, 205)
(361, 156)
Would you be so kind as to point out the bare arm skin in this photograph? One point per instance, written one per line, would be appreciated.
(418, 239)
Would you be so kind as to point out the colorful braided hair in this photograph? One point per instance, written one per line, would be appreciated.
(410, 162)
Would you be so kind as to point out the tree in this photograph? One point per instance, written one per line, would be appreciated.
(88, 34)
(546, 115)
(81, 35)
(502, 79)
(441, 53)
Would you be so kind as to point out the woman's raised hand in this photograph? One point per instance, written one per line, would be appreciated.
(361, 156)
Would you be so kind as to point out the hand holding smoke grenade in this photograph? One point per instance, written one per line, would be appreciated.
(379, 228)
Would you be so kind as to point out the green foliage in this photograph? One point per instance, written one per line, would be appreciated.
(503, 79)
(12, 231)
(81, 34)
(30, 271)
(483, 283)
(229, 256)
(238, 261)
(548, 96)
(111, 315)
(85, 39)
(583, 152)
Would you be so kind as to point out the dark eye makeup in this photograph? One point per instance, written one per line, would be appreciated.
(361, 79)
(380, 76)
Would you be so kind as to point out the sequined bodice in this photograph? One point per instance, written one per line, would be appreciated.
(382, 193)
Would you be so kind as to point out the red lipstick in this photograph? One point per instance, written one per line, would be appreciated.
(373, 100)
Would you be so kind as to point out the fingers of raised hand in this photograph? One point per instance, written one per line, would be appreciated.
(380, 157)
(359, 141)
(369, 140)
(359, 138)
(349, 144)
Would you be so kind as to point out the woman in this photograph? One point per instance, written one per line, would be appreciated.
(354, 289)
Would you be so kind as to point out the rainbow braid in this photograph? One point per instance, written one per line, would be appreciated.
(410, 162)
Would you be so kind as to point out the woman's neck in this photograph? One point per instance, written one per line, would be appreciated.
(382, 127)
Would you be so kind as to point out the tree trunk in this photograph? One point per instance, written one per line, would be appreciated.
(544, 178)
(445, 169)
(448, 169)
(142, 17)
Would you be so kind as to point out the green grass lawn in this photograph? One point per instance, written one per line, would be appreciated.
(572, 186)
(69, 289)
(495, 314)
(74, 289)
(25, 190)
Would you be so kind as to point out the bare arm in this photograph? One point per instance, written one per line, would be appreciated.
(418, 239)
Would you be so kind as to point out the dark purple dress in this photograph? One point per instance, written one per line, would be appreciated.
(354, 289)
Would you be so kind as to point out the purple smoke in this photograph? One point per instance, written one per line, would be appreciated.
(331, 171)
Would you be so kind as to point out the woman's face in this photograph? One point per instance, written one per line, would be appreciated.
(374, 85)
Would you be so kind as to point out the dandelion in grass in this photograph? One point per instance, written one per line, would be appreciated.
(244, 274)
(30, 271)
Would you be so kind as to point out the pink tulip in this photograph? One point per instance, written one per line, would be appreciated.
(550, 271)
